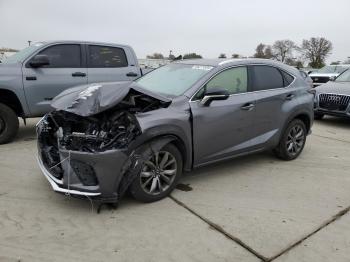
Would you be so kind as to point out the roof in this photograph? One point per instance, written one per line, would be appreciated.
(222, 62)
(80, 42)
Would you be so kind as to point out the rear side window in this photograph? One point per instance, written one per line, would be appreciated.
(287, 78)
(63, 56)
(266, 77)
(106, 56)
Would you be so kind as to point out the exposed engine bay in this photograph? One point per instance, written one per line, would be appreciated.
(114, 128)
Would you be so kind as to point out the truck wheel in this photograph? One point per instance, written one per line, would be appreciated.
(158, 176)
(8, 124)
(292, 141)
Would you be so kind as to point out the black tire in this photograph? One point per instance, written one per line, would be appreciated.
(8, 124)
(318, 116)
(284, 150)
(138, 191)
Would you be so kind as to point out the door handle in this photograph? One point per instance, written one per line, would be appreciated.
(290, 97)
(248, 106)
(131, 74)
(78, 74)
(31, 78)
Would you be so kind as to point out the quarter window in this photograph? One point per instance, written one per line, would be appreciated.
(267, 77)
(63, 56)
(106, 56)
(234, 80)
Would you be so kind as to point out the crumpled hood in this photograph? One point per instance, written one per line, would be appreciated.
(334, 87)
(87, 100)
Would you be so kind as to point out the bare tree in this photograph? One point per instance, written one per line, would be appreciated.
(155, 56)
(282, 49)
(315, 50)
(222, 55)
(191, 55)
(263, 51)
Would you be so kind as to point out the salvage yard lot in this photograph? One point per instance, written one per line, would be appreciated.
(249, 209)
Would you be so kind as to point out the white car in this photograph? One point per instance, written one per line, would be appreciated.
(326, 73)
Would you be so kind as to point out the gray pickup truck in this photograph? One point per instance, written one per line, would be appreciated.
(31, 78)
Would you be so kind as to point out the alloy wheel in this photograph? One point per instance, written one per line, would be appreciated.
(158, 173)
(295, 140)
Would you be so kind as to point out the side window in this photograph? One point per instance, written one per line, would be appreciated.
(106, 56)
(266, 77)
(234, 80)
(63, 56)
(287, 78)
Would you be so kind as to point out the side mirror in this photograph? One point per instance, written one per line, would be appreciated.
(39, 60)
(332, 78)
(214, 93)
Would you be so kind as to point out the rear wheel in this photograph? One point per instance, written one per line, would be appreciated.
(293, 141)
(318, 116)
(159, 175)
(8, 124)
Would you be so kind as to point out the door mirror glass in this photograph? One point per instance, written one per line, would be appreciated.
(39, 60)
(214, 93)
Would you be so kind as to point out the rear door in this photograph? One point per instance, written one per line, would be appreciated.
(274, 98)
(66, 69)
(223, 128)
(110, 64)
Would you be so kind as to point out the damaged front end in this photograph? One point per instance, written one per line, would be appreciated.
(89, 145)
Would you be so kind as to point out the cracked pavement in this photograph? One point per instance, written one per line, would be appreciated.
(253, 208)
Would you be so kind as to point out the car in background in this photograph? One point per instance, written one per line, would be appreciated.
(333, 98)
(31, 78)
(103, 139)
(326, 73)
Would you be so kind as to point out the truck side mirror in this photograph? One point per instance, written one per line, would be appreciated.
(39, 61)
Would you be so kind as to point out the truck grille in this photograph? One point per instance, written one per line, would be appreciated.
(320, 79)
(334, 102)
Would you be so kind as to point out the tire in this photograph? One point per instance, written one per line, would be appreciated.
(318, 116)
(145, 187)
(292, 141)
(8, 124)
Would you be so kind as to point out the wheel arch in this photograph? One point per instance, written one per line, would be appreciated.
(10, 99)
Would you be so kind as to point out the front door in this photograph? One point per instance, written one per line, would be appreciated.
(65, 70)
(224, 128)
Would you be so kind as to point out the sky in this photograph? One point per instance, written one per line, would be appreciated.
(202, 26)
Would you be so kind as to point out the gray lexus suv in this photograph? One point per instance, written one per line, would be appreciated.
(106, 138)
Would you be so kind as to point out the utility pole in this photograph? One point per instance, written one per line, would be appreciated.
(29, 42)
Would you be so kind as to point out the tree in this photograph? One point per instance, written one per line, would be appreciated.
(282, 49)
(155, 56)
(336, 63)
(191, 55)
(263, 51)
(222, 55)
(236, 56)
(315, 50)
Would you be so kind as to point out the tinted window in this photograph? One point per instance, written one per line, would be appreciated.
(288, 79)
(234, 80)
(63, 56)
(267, 77)
(105, 56)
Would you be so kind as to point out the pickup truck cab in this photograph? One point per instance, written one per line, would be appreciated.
(31, 78)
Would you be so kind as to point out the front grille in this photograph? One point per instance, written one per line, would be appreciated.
(334, 102)
(51, 160)
(320, 79)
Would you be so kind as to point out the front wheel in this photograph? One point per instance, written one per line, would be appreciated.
(8, 124)
(293, 141)
(159, 175)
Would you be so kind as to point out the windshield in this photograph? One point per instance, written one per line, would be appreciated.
(344, 77)
(332, 69)
(21, 55)
(173, 79)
